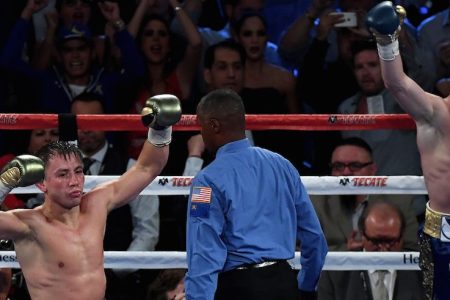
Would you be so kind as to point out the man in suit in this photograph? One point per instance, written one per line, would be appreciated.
(339, 214)
(382, 226)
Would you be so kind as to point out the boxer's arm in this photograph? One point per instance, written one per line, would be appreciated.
(11, 226)
(420, 105)
(23, 170)
(384, 21)
(160, 113)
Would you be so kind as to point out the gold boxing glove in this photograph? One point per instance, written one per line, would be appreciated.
(160, 113)
(23, 170)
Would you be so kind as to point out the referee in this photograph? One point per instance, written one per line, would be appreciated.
(246, 211)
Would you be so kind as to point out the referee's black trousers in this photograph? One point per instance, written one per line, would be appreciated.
(274, 282)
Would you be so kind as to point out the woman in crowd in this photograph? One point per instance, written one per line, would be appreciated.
(267, 88)
(166, 73)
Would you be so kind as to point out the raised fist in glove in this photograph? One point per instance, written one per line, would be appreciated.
(384, 20)
(23, 170)
(160, 113)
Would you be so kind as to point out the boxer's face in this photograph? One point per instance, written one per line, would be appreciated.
(253, 38)
(64, 181)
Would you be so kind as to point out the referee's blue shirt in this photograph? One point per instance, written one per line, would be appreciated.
(249, 205)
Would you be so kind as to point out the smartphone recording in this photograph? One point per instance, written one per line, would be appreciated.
(350, 19)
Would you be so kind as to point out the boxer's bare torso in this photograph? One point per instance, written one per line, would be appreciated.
(62, 261)
(433, 140)
(59, 244)
(432, 116)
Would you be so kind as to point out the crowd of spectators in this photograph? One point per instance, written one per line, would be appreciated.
(55, 53)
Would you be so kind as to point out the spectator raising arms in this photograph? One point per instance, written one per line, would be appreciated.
(76, 71)
(165, 73)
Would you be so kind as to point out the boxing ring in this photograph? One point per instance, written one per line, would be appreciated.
(179, 185)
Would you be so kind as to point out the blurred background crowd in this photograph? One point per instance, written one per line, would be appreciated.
(281, 56)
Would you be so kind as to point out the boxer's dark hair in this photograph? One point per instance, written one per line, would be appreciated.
(63, 148)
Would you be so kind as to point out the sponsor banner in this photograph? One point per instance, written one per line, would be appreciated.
(315, 185)
(337, 261)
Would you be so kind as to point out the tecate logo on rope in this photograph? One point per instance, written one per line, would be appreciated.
(352, 119)
(8, 119)
(181, 181)
(369, 181)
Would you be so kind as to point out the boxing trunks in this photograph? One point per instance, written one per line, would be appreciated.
(434, 245)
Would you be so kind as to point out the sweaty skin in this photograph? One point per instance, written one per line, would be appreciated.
(60, 261)
(432, 116)
(59, 245)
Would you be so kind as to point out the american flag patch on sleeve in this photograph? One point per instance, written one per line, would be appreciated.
(201, 194)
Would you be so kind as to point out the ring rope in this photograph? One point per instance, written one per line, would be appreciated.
(336, 261)
(189, 123)
(315, 185)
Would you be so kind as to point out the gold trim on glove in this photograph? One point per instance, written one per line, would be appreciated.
(401, 12)
(433, 222)
(11, 177)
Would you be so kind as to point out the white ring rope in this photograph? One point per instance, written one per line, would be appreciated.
(315, 185)
(337, 261)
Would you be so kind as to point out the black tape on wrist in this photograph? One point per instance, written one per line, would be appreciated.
(67, 125)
